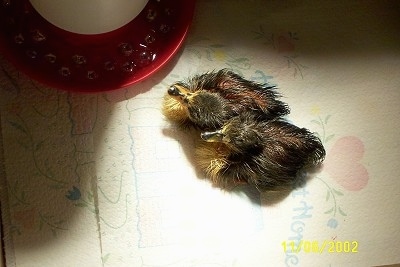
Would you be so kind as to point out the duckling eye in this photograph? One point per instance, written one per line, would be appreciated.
(175, 91)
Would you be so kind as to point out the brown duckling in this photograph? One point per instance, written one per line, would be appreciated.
(268, 154)
(208, 100)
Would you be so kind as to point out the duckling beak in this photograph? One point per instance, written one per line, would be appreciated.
(174, 91)
(178, 91)
(215, 136)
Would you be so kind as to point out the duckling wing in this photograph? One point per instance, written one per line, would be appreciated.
(293, 144)
(286, 151)
(244, 95)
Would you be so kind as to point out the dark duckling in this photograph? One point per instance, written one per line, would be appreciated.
(268, 154)
(206, 101)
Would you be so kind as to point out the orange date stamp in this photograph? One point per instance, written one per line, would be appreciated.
(314, 246)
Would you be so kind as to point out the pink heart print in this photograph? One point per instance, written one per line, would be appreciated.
(343, 163)
(285, 45)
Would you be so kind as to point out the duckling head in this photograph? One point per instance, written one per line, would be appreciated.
(239, 135)
(204, 109)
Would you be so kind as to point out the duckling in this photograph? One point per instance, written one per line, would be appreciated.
(268, 154)
(222, 95)
(202, 109)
